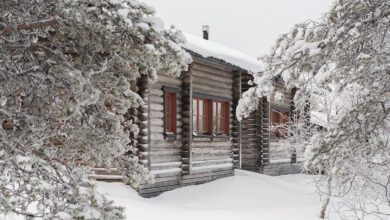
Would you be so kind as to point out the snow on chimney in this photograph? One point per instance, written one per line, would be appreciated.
(205, 29)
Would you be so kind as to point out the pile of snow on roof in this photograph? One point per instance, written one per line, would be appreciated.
(207, 49)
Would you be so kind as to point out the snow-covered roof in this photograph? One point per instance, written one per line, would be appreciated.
(209, 49)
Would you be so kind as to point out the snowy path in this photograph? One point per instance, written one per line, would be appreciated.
(244, 196)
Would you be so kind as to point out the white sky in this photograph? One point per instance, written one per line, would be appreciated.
(251, 26)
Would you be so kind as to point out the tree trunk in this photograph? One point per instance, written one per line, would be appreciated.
(328, 190)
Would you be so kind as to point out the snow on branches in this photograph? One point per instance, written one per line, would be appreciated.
(345, 60)
(66, 69)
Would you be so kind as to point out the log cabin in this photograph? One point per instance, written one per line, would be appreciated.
(188, 130)
(268, 153)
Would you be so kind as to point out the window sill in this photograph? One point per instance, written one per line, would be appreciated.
(170, 136)
(221, 138)
(194, 134)
(211, 138)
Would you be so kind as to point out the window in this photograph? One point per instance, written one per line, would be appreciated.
(170, 112)
(279, 118)
(220, 117)
(210, 116)
(201, 116)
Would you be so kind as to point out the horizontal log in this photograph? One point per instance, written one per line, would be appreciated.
(210, 157)
(211, 169)
(218, 92)
(156, 115)
(207, 174)
(211, 151)
(156, 99)
(209, 69)
(157, 129)
(212, 145)
(249, 161)
(166, 152)
(157, 122)
(163, 159)
(165, 145)
(211, 163)
(169, 81)
(157, 92)
(156, 107)
(220, 83)
(225, 78)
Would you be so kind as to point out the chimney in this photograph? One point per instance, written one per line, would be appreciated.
(205, 29)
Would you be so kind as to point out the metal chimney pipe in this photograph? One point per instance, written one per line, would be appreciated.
(205, 29)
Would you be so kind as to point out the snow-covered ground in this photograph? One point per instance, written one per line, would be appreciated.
(245, 196)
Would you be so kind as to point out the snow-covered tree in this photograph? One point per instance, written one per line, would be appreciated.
(66, 74)
(343, 63)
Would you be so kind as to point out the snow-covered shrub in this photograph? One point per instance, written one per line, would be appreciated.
(66, 74)
(345, 60)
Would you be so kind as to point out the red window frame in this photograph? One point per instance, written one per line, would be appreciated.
(170, 112)
(221, 117)
(279, 118)
(201, 115)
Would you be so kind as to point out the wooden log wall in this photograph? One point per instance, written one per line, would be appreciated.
(141, 140)
(249, 134)
(255, 133)
(264, 108)
(186, 121)
(277, 169)
(163, 153)
(278, 160)
(292, 116)
(277, 151)
(142, 115)
(213, 154)
(188, 160)
(237, 130)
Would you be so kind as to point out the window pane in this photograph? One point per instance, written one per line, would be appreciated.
(166, 103)
(215, 124)
(214, 110)
(220, 125)
(194, 123)
(279, 118)
(194, 106)
(170, 112)
(201, 107)
(166, 112)
(284, 121)
(207, 116)
(194, 114)
(215, 117)
(173, 112)
(201, 124)
(275, 118)
(225, 118)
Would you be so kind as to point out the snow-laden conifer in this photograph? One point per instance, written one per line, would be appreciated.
(67, 70)
(341, 65)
